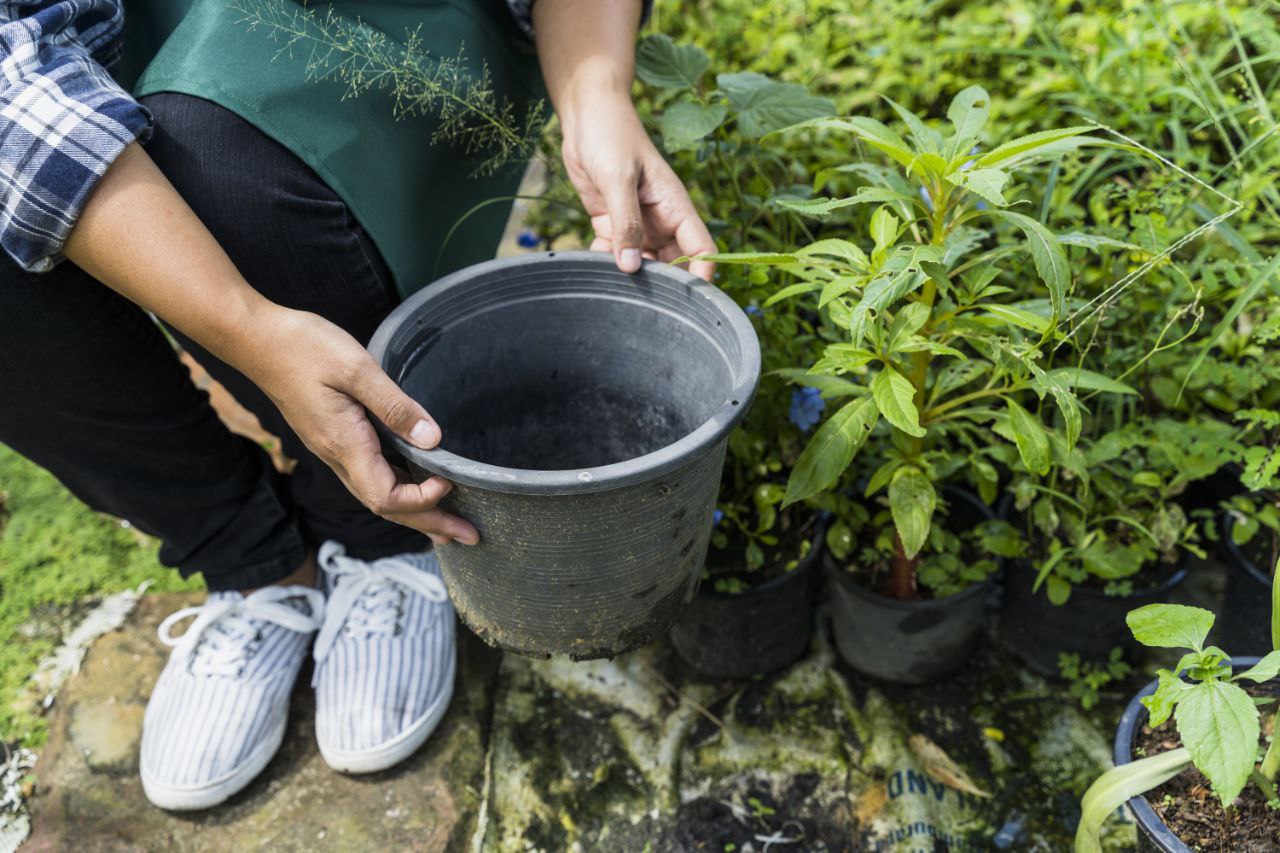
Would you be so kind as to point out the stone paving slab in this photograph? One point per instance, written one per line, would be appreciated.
(88, 796)
(630, 755)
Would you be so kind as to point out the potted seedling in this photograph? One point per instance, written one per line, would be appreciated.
(1216, 791)
(1105, 533)
(929, 365)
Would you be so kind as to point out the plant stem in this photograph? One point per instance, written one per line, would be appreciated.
(902, 572)
(1271, 763)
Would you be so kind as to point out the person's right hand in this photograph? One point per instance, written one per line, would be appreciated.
(323, 382)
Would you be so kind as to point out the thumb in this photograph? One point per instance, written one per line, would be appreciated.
(626, 231)
(399, 412)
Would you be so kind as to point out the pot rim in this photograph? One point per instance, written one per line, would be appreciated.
(953, 492)
(816, 551)
(459, 469)
(1226, 522)
(1135, 713)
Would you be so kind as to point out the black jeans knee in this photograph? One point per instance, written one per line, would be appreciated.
(92, 390)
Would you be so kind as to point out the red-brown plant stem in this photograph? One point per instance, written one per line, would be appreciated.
(902, 572)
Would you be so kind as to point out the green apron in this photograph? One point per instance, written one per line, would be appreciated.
(407, 192)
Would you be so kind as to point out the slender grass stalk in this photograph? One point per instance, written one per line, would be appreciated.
(468, 113)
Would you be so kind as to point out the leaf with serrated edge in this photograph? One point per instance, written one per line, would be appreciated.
(662, 62)
(912, 500)
(1264, 670)
(1048, 255)
(1170, 626)
(894, 395)
(1030, 438)
(1160, 704)
(1218, 724)
(832, 449)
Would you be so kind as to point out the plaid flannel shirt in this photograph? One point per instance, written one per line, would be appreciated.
(64, 120)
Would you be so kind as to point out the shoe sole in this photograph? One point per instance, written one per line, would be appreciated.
(400, 747)
(182, 798)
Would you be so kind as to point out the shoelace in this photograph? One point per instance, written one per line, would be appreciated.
(227, 631)
(378, 588)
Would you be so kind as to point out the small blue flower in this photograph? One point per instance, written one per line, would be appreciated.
(981, 205)
(877, 50)
(753, 310)
(528, 240)
(806, 407)
(717, 517)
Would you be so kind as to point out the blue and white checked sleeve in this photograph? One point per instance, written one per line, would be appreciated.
(63, 120)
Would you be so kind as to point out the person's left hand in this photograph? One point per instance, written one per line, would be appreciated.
(637, 205)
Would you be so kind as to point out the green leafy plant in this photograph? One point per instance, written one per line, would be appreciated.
(941, 365)
(1108, 512)
(1216, 719)
(1086, 679)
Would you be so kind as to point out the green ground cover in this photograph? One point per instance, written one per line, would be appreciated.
(55, 553)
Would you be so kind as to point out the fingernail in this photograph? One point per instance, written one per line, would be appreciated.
(425, 434)
(470, 539)
(629, 260)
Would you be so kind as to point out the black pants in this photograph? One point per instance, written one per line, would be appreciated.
(91, 389)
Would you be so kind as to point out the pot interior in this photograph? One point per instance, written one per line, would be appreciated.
(555, 379)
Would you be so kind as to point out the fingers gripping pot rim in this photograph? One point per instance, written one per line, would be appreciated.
(585, 414)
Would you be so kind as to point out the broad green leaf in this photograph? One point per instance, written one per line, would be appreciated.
(1023, 144)
(837, 287)
(1170, 626)
(902, 274)
(884, 228)
(1119, 785)
(909, 320)
(661, 62)
(1029, 436)
(1218, 724)
(836, 248)
(912, 500)
(987, 183)
(870, 131)
(1067, 403)
(1264, 670)
(1017, 316)
(895, 397)
(1049, 257)
(1160, 704)
(824, 206)
(686, 122)
(926, 138)
(789, 291)
(831, 450)
(1058, 590)
(763, 105)
(1077, 377)
(832, 387)
(968, 114)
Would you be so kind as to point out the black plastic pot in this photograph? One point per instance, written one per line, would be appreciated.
(585, 414)
(1090, 624)
(1153, 835)
(910, 642)
(756, 632)
(1246, 602)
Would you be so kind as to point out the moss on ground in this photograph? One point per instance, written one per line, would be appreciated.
(55, 553)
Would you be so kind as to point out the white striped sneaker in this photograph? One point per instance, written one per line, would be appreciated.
(218, 711)
(384, 658)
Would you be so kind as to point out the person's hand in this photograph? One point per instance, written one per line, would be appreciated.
(637, 205)
(323, 382)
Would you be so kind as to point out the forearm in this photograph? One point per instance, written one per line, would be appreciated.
(138, 236)
(587, 52)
